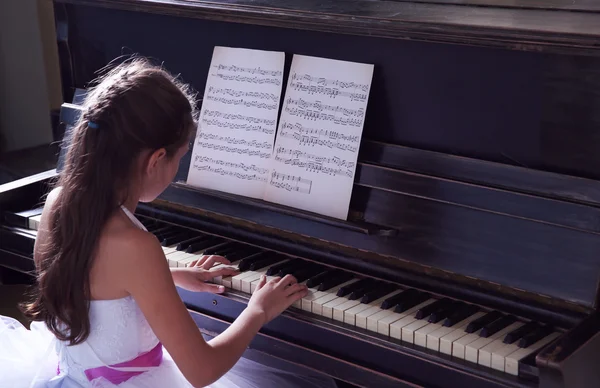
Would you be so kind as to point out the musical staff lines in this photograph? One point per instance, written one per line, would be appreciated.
(317, 164)
(236, 141)
(319, 133)
(290, 182)
(236, 129)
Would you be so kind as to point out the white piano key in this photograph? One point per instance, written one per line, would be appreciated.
(236, 281)
(420, 335)
(499, 355)
(340, 309)
(382, 324)
(34, 222)
(511, 364)
(397, 326)
(360, 319)
(460, 345)
(328, 307)
(472, 349)
(433, 338)
(350, 314)
(247, 281)
(186, 259)
(485, 353)
(254, 284)
(408, 331)
(447, 341)
(317, 304)
(314, 295)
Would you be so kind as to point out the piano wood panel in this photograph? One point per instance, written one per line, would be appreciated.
(521, 29)
(579, 5)
(489, 104)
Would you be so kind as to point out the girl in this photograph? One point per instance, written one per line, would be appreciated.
(106, 312)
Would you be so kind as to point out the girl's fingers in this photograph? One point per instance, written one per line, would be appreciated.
(287, 281)
(294, 288)
(261, 282)
(222, 271)
(213, 259)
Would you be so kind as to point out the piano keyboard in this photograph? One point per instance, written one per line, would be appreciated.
(455, 328)
(464, 331)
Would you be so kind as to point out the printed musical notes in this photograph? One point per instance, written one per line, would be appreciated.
(238, 118)
(290, 182)
(319, 134)
(310, 162)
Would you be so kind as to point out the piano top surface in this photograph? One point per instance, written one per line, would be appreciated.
(532, 25)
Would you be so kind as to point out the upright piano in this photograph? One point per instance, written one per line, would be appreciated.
(471, 253)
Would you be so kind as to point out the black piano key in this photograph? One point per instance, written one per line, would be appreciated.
(159, 232)
(335, 281)
(204, 244)
(250, 259)
(182, 246)
(154, 226)
(499, 324)
(393, 300)
(278, 267)
(176, 238)
(445, 312)
(516, 334)
(292, 266)
(359, 293)
(167, 233)
(534, 336)
(222, 249)
(307, 273)
(268, 259)
(432, 307)
(460, 315)
(242, 253)
(320, 278)
(381, 291)
(482, 321)
(411, 302)
(350, 288)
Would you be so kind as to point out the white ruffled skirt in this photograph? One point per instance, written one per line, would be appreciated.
(28, 359)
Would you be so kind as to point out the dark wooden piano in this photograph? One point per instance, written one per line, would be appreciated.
(476, 203)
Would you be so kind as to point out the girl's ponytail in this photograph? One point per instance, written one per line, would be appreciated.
(135, 107)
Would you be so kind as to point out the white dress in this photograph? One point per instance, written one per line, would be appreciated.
(119, 333)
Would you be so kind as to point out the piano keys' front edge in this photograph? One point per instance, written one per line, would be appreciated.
(334, 347)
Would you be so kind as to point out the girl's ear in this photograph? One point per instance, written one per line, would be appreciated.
(154, 161)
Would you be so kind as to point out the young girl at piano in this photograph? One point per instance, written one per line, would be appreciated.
(106, 311)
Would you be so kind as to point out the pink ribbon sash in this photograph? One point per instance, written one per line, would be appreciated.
(152, 358)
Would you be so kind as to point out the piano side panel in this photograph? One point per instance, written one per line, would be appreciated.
(572, 360)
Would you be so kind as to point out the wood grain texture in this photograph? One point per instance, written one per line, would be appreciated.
(551, 30)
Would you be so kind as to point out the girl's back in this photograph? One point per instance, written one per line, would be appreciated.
(106, 311)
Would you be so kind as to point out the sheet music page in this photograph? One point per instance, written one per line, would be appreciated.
(319, 135)
(237, 122)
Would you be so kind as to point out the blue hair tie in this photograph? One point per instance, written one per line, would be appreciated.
(93, 125)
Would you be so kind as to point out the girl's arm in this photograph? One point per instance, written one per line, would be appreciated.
(144, 274)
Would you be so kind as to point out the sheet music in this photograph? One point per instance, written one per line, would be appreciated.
(319, 135)
(237, 122)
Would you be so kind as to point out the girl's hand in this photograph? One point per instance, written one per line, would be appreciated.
(198, 272)
(271, 298)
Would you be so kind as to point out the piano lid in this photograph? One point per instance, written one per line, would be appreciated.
(478, 166)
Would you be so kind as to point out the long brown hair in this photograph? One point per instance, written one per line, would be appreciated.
(135, 107)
